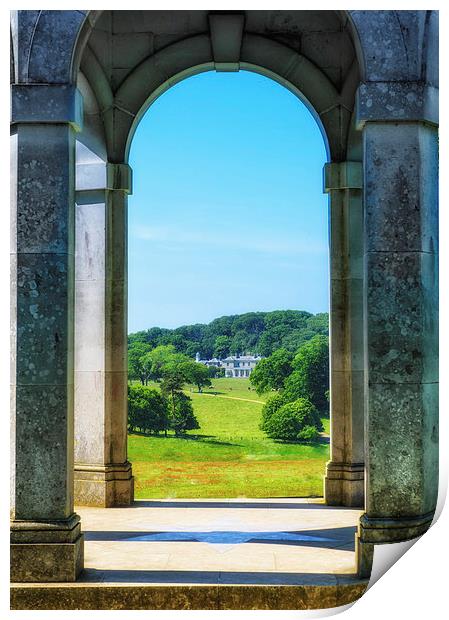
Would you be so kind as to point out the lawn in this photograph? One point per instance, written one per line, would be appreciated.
(228, 456)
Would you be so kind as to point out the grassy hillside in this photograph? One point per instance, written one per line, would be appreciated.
(228, 456)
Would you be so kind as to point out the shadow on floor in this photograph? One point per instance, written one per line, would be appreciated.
(213, 577)
(163, 503)
(342, 537)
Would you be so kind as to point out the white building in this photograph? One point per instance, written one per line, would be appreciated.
(237, 366)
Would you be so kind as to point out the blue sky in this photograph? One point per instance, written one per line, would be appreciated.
(227, 214)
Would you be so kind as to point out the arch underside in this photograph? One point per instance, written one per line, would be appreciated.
(125, 92)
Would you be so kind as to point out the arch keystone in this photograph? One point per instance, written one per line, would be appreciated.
(226, 33)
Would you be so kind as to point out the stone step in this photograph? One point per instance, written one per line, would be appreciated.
(309, 592)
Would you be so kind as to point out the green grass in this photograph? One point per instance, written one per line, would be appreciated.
(240, 388)
(228, 456)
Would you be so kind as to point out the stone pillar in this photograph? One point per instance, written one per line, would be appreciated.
(401, 304)
(344, 478)
(46, 539)
(103, 475)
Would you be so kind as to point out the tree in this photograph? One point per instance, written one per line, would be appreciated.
(199, 375)
(272, 405)
(271, 372)
(294, 421)
(215, 372)
(221, 346)
(139, 367)
(158, 358)
(182, 418)
(310, 376)
(147, 409)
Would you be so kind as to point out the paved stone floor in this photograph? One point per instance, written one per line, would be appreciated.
(276, 541)
(210, 554)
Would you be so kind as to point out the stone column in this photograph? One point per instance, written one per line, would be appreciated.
(401, 305)
(46, 539)
(103, 475)
(344, 479)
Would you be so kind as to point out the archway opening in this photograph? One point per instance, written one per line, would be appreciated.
(228, 275)
(122, 95)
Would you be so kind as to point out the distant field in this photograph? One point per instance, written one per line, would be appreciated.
(228, 456)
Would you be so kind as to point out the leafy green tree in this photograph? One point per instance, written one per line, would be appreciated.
(242, 342)
(182, 417)
(139, 367)
(215, 372)
(221, 346)
(158, 358)
(271, 340)
(199, 375)
(310, 376)
(294, 421)
(308, 433)
(147, 409)
(272, 405)
(319, 323)
(271, 372)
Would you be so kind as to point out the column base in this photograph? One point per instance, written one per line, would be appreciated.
(46, 551)
(104, 486)
(393, 529)
(344, 484)
(384, 530)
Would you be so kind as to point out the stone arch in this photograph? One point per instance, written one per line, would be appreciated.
(389, 95)
(193, 55)
(293, 71)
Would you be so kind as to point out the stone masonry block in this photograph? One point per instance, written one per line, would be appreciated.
(46, 103)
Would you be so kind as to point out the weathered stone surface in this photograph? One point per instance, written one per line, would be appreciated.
(47, 562)
(401, 283)
(344, 479)
(403, 473)
(396, 101)
(42, 207)
(42, 376)
(101, 346)
(46, 531)
(391, 43)
(44, 348)
(175, 596)
(402, 328)
(364, 552)
(401, 188)
(105, 486)
(344, 484)
(44, 42)
(374, 530)
(43, 476)
(46, 103)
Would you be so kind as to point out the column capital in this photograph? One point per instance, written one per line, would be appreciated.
(119, 177)
(343, 175)
(99, 177)
(47, 104)
(394, 102)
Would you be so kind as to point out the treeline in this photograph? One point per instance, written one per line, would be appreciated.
(154, 411)
(256, 332)
(300, 385)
